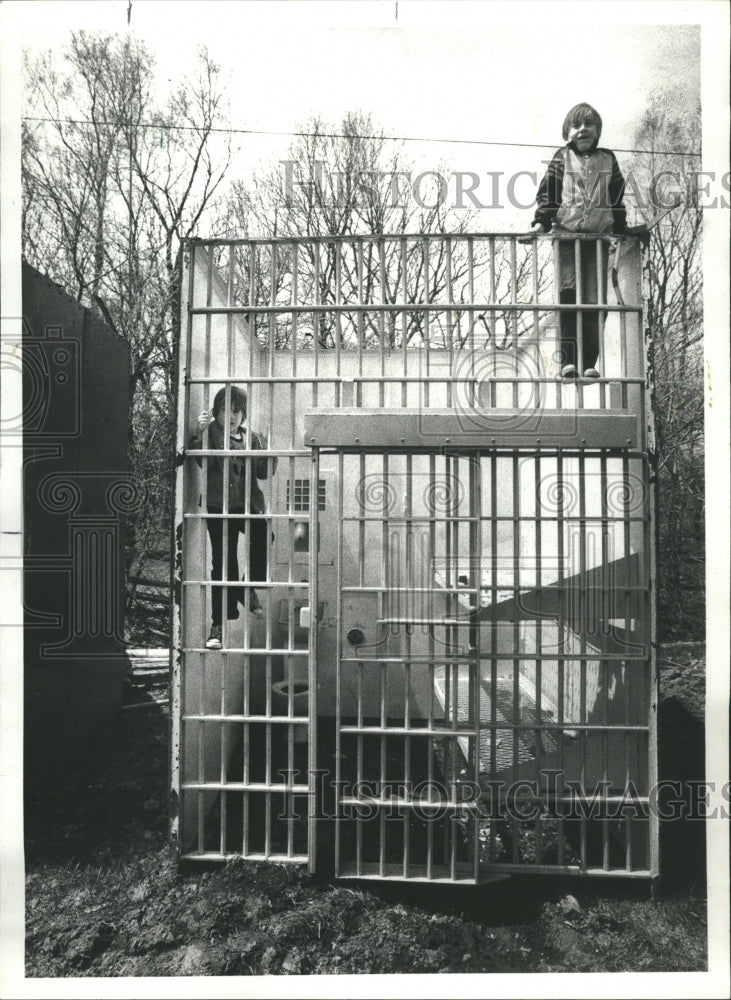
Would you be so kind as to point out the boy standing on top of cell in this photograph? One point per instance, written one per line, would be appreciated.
(582, 192)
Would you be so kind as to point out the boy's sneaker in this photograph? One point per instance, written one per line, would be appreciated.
(569, 371)
(591, 373)
(214, 639)
(254, 606)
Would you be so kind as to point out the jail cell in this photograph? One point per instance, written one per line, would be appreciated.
(451, 678)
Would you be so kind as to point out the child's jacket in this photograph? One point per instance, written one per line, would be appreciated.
(582, 192)
(237, 471)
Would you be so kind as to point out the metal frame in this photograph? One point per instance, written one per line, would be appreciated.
(425, 355)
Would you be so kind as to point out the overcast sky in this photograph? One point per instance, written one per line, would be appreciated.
(427, 71)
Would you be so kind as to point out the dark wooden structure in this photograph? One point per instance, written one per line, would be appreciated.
(76, 492)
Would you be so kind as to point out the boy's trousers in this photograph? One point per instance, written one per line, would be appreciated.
(257, 560)
(592, 290)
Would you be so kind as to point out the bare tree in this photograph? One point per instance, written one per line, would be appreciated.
(349, 181)
(675, 318)
(114, 178)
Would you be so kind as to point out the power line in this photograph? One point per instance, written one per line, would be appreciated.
(339, 135)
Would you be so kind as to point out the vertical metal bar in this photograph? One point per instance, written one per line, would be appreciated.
(339, 482)
(582, 618)
(493, 636)
(561, 630)
(493, 326)
(338, 251)
(450, 318)
(475, 666)
(605, 598)
(472, 399)
(382, 679)
(514, 315)
(360, 321)
(407, 652)
(427, 319)
(179, 659)
(382, 317)
(294, 299)
(225, 512)
(360, 667)
(517, 730)
(538, 642)
(558, 316)
(404, 319)
(626, 492)
(649, 639)
(534, 273)
(578, 261)
(312, 666)
(451, 470)
(224, 654)
(601, 297)
(316, 318)
(204, 678)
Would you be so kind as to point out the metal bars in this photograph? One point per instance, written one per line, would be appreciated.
(445, 628)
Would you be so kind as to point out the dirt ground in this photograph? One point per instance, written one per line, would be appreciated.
(103, 898)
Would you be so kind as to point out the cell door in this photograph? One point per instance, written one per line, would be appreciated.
(492, 709)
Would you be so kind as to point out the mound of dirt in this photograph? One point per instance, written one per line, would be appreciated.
(104, 899)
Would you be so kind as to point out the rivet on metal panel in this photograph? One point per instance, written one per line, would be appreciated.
(357, 440)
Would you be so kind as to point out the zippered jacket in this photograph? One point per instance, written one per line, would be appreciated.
(582, 192)
(237, 471)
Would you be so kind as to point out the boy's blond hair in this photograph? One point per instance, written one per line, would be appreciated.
(577, 114)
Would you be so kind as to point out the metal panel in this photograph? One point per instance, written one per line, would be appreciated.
(486, 526)
(389, 428)
(492, 707)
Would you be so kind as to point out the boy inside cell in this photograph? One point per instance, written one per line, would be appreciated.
(233, 416)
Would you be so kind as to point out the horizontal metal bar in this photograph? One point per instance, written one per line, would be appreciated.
(488, 657)
(390, 803)
(462, 622)
(376, 379)
(432, 428)
(395, 873)
(393, 519)
(269, 585)
(398, 238)
(258, 651)
(414, 307)
(479, 447)
(251, 453)
(408, 590)
(571, 799)
(292, 859)
(528, 869)
(412, 730)
(411, 660)
(197, 717)
(242, 786)
(205, 516)
(543, 727)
